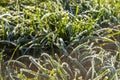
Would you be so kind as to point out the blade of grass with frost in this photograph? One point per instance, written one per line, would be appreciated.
(107, 29)
(113, 34)
(116, 77)
(8, 42)
(107, 39)
(28, 71)
(31, 46)
(38, 65)
(62, 47)
(78, 47)
(15, 61)
(88, 73)
(95, 56)
(15, 50)
(114, 72)
(1, 54)
(46, 15)
(1, 62)
(53, 62)
(30, 43)
(45, 55)
(118, 71)
(62, 73)
(78, 64)
(46, 36)
(5, 15)
(102, 74)
(93, 68)
(58, 58)
(67, 68)
(44, 77)
(3, 31)
(81, 33)
(23, 56)
(9, 74)
(56, 65)
(49, 59)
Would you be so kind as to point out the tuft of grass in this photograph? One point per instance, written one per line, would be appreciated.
(60, 39)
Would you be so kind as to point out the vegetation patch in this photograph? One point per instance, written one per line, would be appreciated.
(59, 39)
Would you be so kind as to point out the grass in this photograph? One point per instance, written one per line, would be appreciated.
(60, 40)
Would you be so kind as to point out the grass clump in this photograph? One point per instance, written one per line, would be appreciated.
(60, 40)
